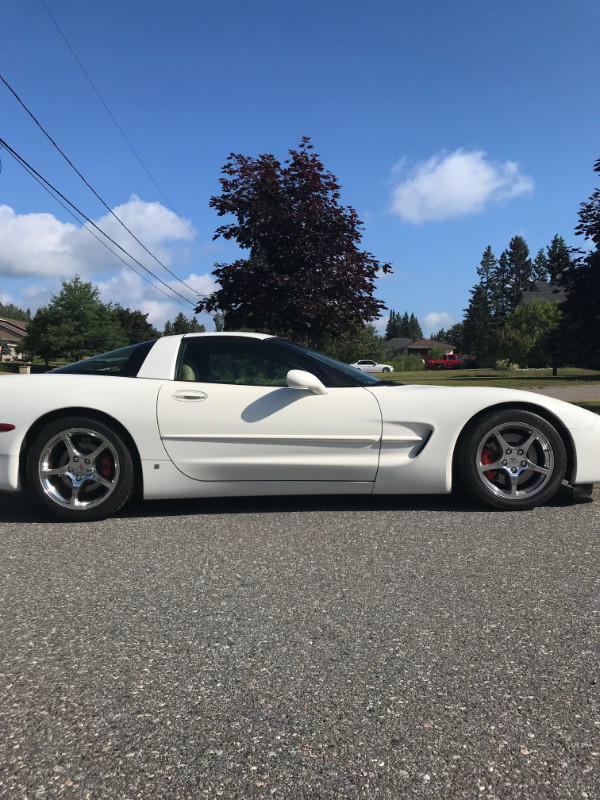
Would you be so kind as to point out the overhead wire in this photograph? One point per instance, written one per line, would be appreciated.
(68, 205)
(119, 128)
(91, 188)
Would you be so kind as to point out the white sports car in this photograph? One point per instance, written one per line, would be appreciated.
(224, 414)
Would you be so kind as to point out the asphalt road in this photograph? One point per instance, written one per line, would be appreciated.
(301, 648)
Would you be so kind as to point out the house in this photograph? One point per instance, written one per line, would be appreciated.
(12, 331)
(422, 347)
(396, 346)
(542, 290)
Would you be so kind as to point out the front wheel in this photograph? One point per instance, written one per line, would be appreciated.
(80, 469)
(386, 369)
(512, 459)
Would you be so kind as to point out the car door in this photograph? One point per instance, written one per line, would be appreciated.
(235, 419)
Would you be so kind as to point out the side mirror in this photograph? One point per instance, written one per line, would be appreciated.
(299, 379)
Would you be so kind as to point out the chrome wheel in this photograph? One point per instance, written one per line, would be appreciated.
(80, 469)
(515, 460)
(512, 459)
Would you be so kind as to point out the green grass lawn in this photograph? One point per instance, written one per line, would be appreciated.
(523, 379)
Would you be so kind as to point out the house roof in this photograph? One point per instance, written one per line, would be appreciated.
(427, 344)
(398, 342)
(542, 290)
(12, 329)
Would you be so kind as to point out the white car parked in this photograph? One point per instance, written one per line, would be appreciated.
(234, 414)
(372, 366)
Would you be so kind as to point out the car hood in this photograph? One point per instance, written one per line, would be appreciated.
(439, 403)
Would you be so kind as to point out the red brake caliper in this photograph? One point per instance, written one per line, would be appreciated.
(487, 457)
(106, 467)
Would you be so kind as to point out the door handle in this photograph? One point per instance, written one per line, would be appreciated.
(188, 395)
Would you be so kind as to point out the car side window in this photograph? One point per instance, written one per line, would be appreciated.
(246, 362)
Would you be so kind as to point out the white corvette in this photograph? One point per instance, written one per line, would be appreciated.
(224, 414)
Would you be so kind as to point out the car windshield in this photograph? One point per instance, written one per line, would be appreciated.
(125, 362)
(350, 376)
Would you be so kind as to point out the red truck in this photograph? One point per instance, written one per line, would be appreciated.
(449, 361)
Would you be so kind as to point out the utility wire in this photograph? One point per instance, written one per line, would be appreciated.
(57, 194)
(94, 192)
(90, 231)
(119, 128)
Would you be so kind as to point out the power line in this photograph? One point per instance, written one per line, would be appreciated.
(57, 194)
(94, 192)
(119, 128)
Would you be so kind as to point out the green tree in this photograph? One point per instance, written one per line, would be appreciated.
(135, 324)
(454, 336)
(394, 326)
(74, 325)
(559, 259)
(580, 328)
(305, 275)
(527, 336)
(478, 328)
(219, 320)
(540, 266)
(520, 270)
(486, 271)
(11, 311)
(414, 328)
(501, 302)
(182, 324)
(363, 342)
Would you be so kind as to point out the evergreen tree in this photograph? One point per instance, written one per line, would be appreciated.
(478, 330)
(520, 270)
(540, 266)
(580, 329)
(559, 259)
(487, 270)
(11, 311)
(502, 287)
(74, 325)
(392, 330)
(415, 331)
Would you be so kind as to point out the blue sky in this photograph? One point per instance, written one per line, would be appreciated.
(450, 126)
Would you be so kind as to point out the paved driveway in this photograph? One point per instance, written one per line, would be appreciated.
(301, 649)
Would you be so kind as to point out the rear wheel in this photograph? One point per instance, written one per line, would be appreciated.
(80, 469)
(512, 459)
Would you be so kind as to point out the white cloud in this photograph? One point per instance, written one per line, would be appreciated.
(435, 320)
(380, 324)
(132, 291)
(45, 251)
(39, 245)
(454, 184)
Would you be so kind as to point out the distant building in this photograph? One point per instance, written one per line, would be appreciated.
(12, 332)
(422, 347)
(396, 346)
(416, 347)
(542, 290)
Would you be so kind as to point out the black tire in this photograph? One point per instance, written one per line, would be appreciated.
(511, 460)
(441, 366)
(386, 369)
(80, 469)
